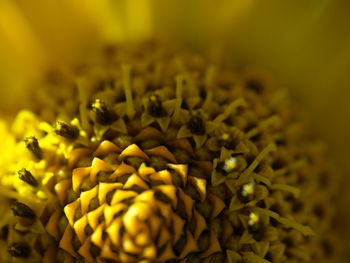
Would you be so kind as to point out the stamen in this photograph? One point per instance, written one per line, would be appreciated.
(103, 116)
(27, 177)
(230, 164)
(253, 223)
(130, 110)
(19, 250)
(196, 125)
(230, 109)
(227, 166)
(66, 130)
(269, 148)
(273, 120)
(226, 141)
(179, 87)
(22, 210)
(83, 101)
(246, 193)
(154, 107)
(32, 145)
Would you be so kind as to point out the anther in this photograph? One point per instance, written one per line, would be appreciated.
(66, 130)
(154, 107)
(32, 145)
(230, 164)
(27, 177)
(103, 116)
(196, 125)
(256, 227)
(253, 223)
(19, 250)
(226, 141)
(227, 166)
(246, 194)
(22, 210)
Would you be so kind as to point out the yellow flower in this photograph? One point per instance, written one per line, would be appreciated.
(135, 140)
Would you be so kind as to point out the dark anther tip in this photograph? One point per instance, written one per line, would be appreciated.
(103, 115)
(66, 130)
(22, 210)
(154, 107)
(19, 250)
(27, 177)
(225, 140)
(32, 145)
(196, 125)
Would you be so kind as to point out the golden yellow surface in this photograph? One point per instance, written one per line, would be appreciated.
(305, 45)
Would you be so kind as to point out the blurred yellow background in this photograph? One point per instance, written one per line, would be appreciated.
(305, 45)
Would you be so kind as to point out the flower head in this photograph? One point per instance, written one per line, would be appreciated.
(154, 155)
